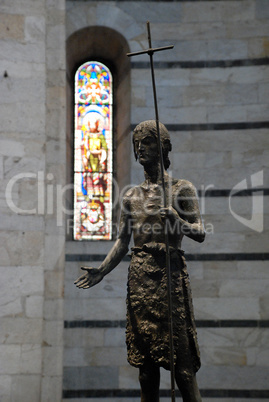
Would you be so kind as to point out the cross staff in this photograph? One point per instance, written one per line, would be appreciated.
(150, 51)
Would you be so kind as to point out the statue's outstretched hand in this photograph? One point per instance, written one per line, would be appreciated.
(89, 279)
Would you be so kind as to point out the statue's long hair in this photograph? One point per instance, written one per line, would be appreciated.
(150, 125)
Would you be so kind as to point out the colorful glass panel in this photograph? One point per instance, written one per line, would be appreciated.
(93, 153)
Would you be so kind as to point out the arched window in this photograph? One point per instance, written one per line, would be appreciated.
(109, 47)
(93, 147)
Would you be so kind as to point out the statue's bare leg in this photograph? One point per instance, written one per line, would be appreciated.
(187, 385)
(149, 378)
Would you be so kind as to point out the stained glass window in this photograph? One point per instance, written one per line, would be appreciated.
(93, 153)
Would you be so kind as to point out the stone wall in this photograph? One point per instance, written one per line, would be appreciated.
(213, 95)
(32, 164)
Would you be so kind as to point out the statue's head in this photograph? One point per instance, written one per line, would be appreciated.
(149, 127)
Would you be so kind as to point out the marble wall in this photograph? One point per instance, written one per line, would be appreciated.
(213, 95)
(212, 92)
(32, 165)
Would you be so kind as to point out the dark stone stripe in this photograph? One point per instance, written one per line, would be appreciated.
(189, 257)
(199, 324)
(95, 324)
(163, 1)
(228, 257)
(232, 323)
(235, 393)
(215, 126)
(214, 192)
(132, 393)
(201, 63)
(89, 257)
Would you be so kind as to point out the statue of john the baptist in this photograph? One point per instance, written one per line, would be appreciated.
(142, 215)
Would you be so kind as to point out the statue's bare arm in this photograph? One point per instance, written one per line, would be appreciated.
(92, 276)
(186, 213)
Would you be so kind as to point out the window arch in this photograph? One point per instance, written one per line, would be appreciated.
(110, 48)
(93, 144)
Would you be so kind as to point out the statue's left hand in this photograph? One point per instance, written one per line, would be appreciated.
(89, 279)
(169, 213)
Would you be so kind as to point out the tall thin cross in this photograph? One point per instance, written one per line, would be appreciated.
(150, 51)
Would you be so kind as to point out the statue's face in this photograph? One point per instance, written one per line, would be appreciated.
(146, 147)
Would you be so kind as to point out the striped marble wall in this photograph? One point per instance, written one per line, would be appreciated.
(213, 92)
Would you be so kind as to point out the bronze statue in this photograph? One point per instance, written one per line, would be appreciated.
(144, 217)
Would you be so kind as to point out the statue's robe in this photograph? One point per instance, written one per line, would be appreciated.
(147, 331)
